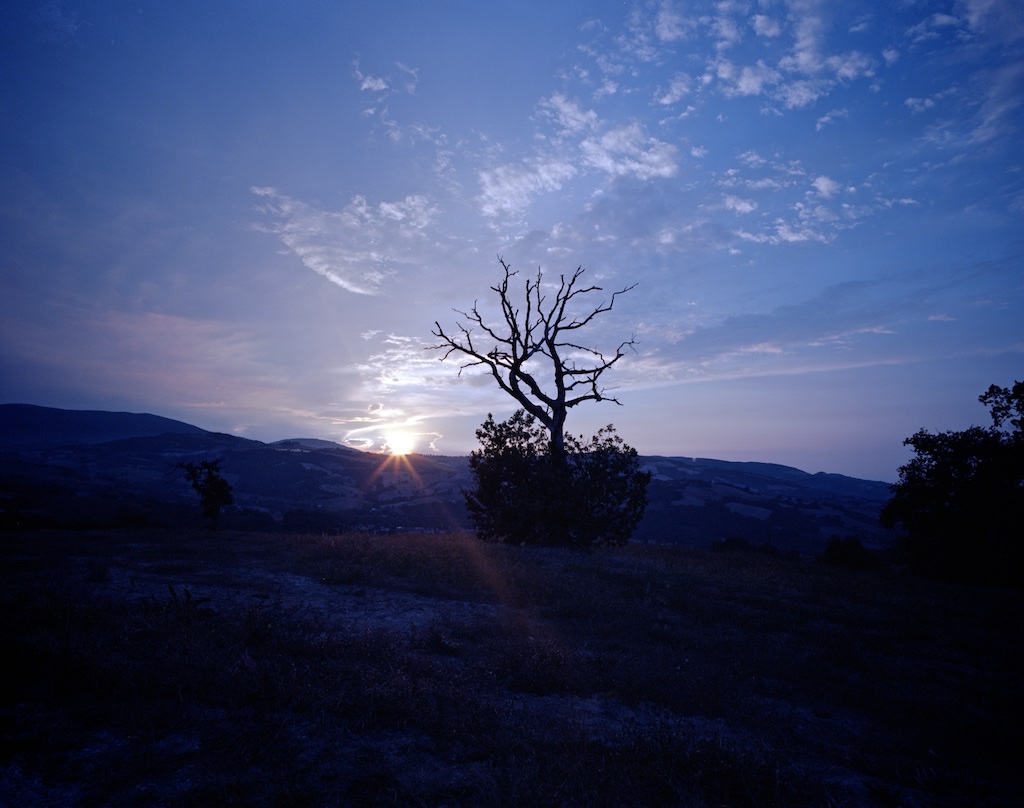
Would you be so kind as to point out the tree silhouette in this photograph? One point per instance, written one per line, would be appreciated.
(537, 339)
(960, 499)
(214, 491)
(595, 496)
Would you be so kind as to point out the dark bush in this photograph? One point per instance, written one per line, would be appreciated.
(850, 553)
(595, 494)
(960, 500)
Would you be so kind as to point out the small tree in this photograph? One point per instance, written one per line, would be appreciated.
(214, 491)
(595, 495)
(960, 500)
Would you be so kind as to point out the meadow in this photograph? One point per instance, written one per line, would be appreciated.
(150, 668)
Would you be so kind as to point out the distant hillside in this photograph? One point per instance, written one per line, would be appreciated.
(695, 501)
(70, 468)
(26, 426)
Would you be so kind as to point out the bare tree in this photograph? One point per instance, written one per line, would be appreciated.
(538, 338)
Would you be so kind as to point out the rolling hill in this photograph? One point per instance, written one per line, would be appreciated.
(85, 468)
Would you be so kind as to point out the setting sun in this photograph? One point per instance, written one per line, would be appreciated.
(400, 443)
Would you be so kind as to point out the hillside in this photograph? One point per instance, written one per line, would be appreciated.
(27, 426)
(694, 501)
(242, 668)
(70, 468)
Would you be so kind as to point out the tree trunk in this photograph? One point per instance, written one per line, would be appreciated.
(557, 430)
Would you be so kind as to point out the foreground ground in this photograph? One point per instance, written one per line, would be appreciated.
(158, 668)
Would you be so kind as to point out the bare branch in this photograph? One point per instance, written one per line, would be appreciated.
(530, 333)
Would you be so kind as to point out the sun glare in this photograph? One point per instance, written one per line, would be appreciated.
(400, 443)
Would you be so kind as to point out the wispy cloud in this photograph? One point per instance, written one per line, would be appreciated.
(358, 248)
(679, 88)
(1002, 19)
(726, 29)
(57, 24)
(841, 326)
(1003, 95)
(796, 79)
(629, 151)
(932, 27)
(738, 205)
(376, 84)
(918, 105)
(410, 77)
(384, 85)
(765, 26)
(786, 232)
(570, 117)
(671, 25)
(826, 186)
(745, 80)
(830, 118)
(510, 189)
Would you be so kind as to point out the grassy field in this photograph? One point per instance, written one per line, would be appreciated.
(163, 668)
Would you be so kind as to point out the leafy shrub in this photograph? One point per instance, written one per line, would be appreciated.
(524, 494)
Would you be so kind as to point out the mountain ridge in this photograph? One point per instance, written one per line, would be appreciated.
(32, 425)
(310, 484)
(18, 417)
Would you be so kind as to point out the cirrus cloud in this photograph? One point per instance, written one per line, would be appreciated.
(358, 248)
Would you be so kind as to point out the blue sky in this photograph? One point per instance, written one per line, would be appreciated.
(248, 216)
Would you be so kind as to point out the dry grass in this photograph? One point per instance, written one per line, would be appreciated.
(192, 669)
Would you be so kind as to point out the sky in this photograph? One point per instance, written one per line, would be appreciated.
(250, 215)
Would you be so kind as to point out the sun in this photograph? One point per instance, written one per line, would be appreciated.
(400, 443)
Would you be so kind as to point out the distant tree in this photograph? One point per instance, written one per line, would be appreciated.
(960, 500)
(595, 495)
(536, 340)
(214, 491)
